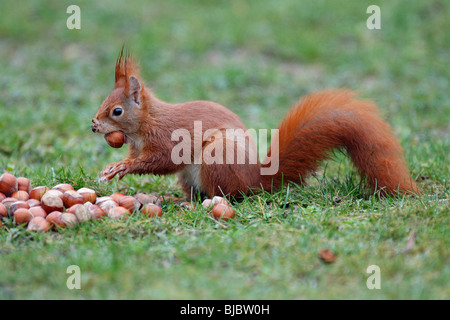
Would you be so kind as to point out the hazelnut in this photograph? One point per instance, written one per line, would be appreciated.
(55, 193)
(116, 196)
(221, 211)
(63, 187)
(51, 202)
(21, 195)
(146, 198)
(69, 219)
(3, 211)
(73, 208)
(100, 200)
(23, 184)
(107, 205)
(7, 202)
(33, 203)
(39, 224)
(217, 200)
(8, 184)
(115, 139)
(151, 210)
(38, 212)
(88, 194)
(129, 203)
(71, 198)
(82, 214)
(119, 213)
(17, 205)
(95, 212)
(38, 192)
(54, 218)
(2, 196)
(22, 216)
(207, 203)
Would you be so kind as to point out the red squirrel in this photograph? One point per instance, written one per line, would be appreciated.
(315, 126)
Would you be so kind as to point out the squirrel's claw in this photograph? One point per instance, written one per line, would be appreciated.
(112, 170)
(122, 174)
(103, 179)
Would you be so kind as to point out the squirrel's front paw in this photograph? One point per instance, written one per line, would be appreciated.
(118, 168)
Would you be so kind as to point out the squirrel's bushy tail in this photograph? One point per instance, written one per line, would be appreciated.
(324, 121)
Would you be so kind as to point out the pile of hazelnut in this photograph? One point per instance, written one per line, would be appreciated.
(43, 209)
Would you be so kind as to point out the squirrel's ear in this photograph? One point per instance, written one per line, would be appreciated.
(134, 89)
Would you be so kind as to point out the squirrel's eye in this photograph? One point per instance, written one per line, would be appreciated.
(117, 111)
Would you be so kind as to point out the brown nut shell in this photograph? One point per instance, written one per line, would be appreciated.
(144, 198)
(89, 195)
(69, 219)
(54, 218)
(38, 192)
(8, 184)
(63, 187)
(39, 224)
(129, 203)
(82, 214)
(17, 205)
(71, 198)
(116, 196)
(221, 211)
(38, 212)
(73, 208)
(22, 216)
(115, 139)
(108, 205)
(50, 203)
(23, 184)
(119, 213)
(95, 212)
(21, 195)
(3, 211)
(33, 203)
(152, 210)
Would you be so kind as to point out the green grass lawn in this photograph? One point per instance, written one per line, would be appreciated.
(257, 58)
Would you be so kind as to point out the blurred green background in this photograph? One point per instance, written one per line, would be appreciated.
(257, 58)
(254, 57)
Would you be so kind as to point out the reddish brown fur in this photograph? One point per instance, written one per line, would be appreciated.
(333, 119)
(319, 123)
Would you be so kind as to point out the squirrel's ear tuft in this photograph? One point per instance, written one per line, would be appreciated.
(133, 89)
(126, 66)
(119, 76)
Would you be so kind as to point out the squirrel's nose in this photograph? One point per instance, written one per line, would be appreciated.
(94, 126)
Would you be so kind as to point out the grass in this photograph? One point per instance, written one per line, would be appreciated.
(257, 58)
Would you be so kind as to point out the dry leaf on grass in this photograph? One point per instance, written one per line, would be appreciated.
(327, 256)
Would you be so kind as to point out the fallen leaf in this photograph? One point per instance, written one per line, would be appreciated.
(327, 256)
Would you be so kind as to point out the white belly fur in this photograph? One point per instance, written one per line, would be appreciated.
(191, 176)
